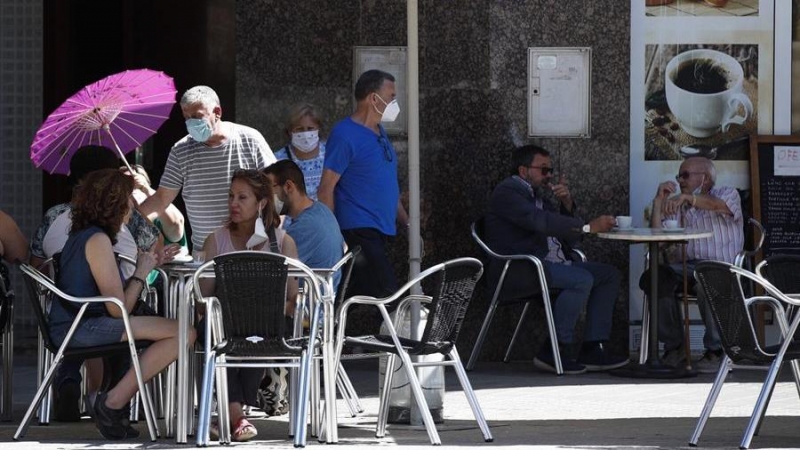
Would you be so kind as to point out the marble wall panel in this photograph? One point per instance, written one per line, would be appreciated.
(473, 108)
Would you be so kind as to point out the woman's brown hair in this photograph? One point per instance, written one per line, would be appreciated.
(262, 189)
(101, 200)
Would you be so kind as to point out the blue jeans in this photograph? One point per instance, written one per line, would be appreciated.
(670, 319)
(590, 284)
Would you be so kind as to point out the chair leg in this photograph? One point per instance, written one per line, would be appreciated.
(204, 415)
(722, 373)
(44, 387)
(416, 389)
(301, 407)
(133, 414)
(346, 396)
(8, 367)
(551, 328)
(795, 364)
(763, 399)
(522, 316)
(383, 407)
(151, 424)
(766, 403)
(44, 364)
(149, 404)
(351, 391)
(315, 394)
(645, 337)
(471, 398)
(223, 415)
(487, 321)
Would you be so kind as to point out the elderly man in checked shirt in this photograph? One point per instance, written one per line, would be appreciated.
(697, 203)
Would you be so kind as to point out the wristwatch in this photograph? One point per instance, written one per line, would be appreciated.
(587, 228)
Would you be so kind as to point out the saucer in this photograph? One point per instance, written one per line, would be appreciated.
(622, 229)
(673, 230)
(182, 259)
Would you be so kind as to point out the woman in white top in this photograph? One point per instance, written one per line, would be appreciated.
(250, 200)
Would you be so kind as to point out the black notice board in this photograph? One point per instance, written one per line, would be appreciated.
(776, 196)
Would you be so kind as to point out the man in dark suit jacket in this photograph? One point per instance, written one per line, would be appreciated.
(522, 219)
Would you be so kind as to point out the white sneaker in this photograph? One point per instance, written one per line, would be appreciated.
(710, 362)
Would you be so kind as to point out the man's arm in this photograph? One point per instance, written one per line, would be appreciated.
(515, 205)
(402, 215)
(158, 201)
(326, 186)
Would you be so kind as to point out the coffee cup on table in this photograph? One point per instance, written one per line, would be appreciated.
(671, 224)
(704, 91)
(623, 222)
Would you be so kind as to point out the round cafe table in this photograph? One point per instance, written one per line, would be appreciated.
(653, 368)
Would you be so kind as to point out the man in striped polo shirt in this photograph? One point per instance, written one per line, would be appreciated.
(697, 203)
(202, 163)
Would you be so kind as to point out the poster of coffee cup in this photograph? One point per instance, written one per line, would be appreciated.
(700, 101)
(701, 8)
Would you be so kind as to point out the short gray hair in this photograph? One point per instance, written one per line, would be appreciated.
(200, 94)
(706, 165)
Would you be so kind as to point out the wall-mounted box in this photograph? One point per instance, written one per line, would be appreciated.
(559, 91)
(394, 61)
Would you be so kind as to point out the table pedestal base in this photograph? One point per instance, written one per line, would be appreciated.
(654, 371)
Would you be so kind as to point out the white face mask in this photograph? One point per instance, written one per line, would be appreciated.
(305, 141)
(278, 203)
(391, 111)
(259, 235)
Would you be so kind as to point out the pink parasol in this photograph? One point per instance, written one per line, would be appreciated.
(119, 112)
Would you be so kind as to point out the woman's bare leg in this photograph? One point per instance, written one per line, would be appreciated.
(164, 350)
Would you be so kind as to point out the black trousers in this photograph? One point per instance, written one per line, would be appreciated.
(373, 273)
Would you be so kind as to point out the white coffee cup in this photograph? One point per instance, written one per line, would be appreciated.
(624, 221)
(670, 224)
(704, 114)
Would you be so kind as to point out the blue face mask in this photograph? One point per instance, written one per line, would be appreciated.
(199, 129)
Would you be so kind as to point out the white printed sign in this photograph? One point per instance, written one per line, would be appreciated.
(787, 161)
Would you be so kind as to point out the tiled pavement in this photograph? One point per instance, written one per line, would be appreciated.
(524, 407)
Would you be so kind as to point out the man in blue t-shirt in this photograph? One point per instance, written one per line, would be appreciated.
(313, 226)
(359, 183)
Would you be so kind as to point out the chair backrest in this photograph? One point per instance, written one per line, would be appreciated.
(40, 296)
(347, 271)
(251, 287)
(478, 231)
(6, 296)
(783, 271)
(723, 293)
(454, 283)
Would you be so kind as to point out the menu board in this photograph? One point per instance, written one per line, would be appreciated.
(775, 178)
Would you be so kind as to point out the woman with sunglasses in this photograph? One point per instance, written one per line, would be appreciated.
(252, 219)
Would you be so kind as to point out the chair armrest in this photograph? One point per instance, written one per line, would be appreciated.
(406, 303)
(580, 254)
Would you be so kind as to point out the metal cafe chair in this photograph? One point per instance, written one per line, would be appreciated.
(245, 327)
(743, 259)
(453, 283)
(730, 309)
(7, 327)
(41, 285)
(783, 271)
(544, 294)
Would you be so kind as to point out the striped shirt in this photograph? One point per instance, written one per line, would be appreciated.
(204, 173)
(728, 239)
